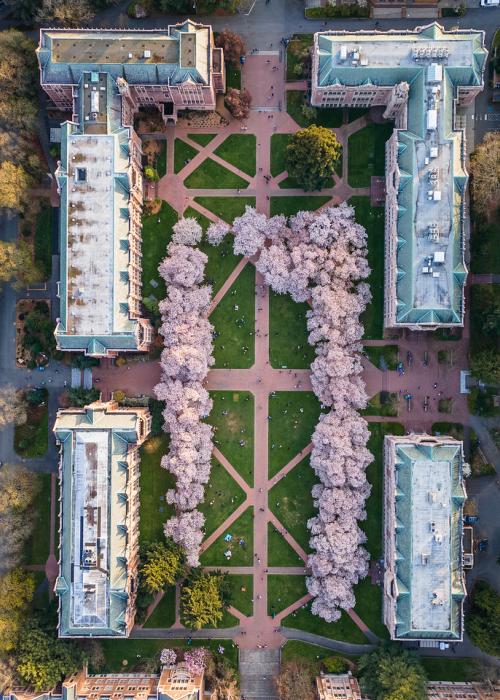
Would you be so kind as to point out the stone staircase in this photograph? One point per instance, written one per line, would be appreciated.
(258, 667)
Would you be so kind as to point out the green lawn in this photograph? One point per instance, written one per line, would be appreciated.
(324, 116)
(43, 240)
(485, 251)
(41, 597)
(283, 590)
(296, 53)
(37, 548)
(202, 139)
(226, 208)
(31, 439)
(302, 651)
(222, 497)
(183, 152)
(211, 175)
(293, 417)
(279, 143)
(343, 630)
(291, 205)
(238, 407)
(367, 153)
(221, 261)
(446, 669)
(138, 652)
(154, 482)
(279, 551)
(383, 356)
(293, 493)
(233, 77)
(372, 526)
(163, 616)
(384, 403)
(373, 221)
(161, 159)
(240, 151)
(369, 607)
(234, 323)
(288, 346)
(242, 555)
(242, 594)
(155, 238)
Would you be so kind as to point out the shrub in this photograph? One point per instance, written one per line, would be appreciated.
(151, 174)
(442, 357)
(335, 664)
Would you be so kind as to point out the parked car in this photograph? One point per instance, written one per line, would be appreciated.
(490, 3)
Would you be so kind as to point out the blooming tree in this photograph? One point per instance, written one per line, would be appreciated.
(216, 232)
(168, 657)
(185, 361)
(320, 257)
(194, 660)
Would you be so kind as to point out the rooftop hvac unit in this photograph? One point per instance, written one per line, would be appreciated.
(131, 55)
(439, 256)
(343, 52)
(431, 119)
(147, 53)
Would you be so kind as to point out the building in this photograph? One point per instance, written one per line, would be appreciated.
(103, 77)
(338, 686)
(424, 585)
(419, 76)
(173, 683)
(447, 690)
(99, 517)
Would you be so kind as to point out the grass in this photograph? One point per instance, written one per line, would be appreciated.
(242, 595)
(137, 652)
(383, 356)
(367, 153)
(291, 205)
(455, 430)
(485, 251)
(283, 590)
(288, 346)
(222, 497)
(43, 240)
(299, 46)
(226, 208)
(211, 175)
(221, 261)
(343, 630)
(37, 547)
(240, 151)
(163, 616)
(228, 428)
(161, 160)
(279, 142)
(384, 403)
(183, 153)
(154, 483)
(293, 493)
(234, 322)
(446, 669)
(325, 116)
(41, 597)
(31, 439)
(242, 555)
(372, 526)
(372, 218)
(202, 139)
(155, 238)
(293, 417)
(279, 551)
(303, 651)
(354, 113)
(369, 607)
(233, 77)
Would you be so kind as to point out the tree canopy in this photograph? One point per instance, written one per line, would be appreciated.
(485, 171)
(392, 673)
(233, 45)
(295, 680)
(485, 365)
(163, 565)
(204, 598)
(483, 620)
(311, 157)
(16, 592)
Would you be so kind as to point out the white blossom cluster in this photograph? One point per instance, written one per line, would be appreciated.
(185, 360)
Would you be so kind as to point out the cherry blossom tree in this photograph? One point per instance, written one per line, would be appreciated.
(217, 231)
(194, 660)
(187, 231)
(168, 657)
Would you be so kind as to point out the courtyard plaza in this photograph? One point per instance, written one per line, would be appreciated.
(261, 482)
(278, 595)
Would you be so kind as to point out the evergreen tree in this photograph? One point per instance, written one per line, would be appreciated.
(392, 673)
(311, 157)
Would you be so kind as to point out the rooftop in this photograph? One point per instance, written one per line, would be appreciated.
(428, 504)
(433, 62)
